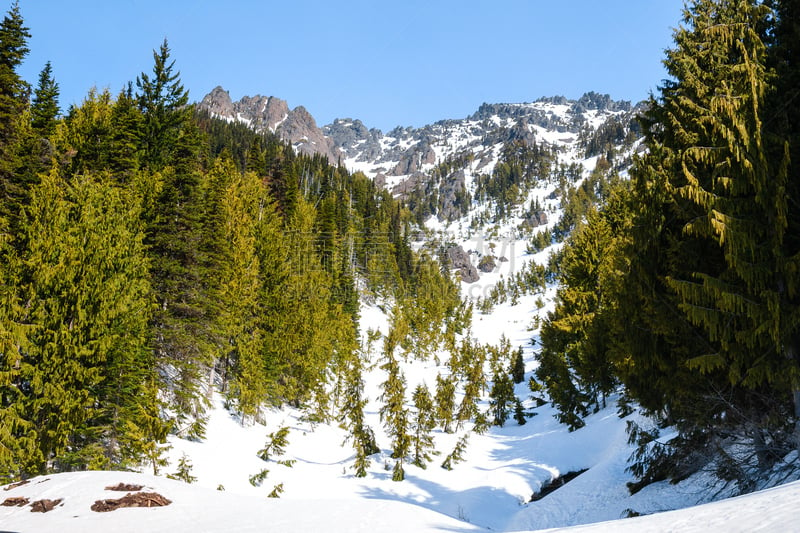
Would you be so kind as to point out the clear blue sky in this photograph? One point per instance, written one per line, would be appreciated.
(389, 63)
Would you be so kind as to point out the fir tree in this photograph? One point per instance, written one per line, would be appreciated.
(13, 102)
(421, 427)
(501, 396)
(88, 366)
(44, 106)
(457, 455)
(163, 102)
(393, 411)
(517, 370)
(445, 402)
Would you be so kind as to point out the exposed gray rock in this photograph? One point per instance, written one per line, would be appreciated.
(268, 113)
(218, 102)
(448, 199)
(459, 259)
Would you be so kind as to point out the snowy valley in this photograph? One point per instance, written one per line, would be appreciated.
(502, 469)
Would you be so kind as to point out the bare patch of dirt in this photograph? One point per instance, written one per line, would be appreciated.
(17, 484)
(15, 502)
(140, 499)
(44, 506)
(125, 487)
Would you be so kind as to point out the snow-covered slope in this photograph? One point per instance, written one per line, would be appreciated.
(199, 509)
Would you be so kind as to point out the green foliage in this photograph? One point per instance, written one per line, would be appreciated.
(44, 106)
(393, 411)
(519, 413)
(421, 427)
(501, 396)
(163, 103)
(275, 445)
(457, 455)
(445, 401)
(517, 369)
(13, 102)
(257, 479)
(184, 472)
(276, 491)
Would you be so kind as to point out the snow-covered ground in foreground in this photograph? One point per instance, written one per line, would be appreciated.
(490, 490)
(199, 509)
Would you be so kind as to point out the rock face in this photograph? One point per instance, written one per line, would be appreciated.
(268, 113)
(441, 161)
(459, 259)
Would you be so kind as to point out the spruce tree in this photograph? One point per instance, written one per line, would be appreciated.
(393, 411)
(44, 106)
(237, 269)
(421, 426)
(13, 102)
(163, 103)
(88, 365)
(445, 400)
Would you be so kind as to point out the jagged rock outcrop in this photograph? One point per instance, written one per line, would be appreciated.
(268, 113)
(459, 259)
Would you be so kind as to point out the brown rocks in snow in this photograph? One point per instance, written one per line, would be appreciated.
(17, 484)
(140, 499)
(15, 502)
(44, 506)
(125, 487)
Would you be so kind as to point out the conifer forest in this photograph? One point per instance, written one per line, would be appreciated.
(152, 254)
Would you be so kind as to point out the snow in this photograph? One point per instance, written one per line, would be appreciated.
(490, 490)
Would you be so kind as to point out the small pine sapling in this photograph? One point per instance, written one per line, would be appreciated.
(398, 474)
(275, 445)
(457, 455)
(518, 367)
(257, 479)
(277, 490)
(519, 412)
(184, 472)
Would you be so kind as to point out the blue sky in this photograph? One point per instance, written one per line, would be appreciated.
(405, 62)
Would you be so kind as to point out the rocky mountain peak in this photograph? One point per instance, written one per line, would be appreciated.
(269, 113)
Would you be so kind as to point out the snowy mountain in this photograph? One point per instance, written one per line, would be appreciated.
(407, 158)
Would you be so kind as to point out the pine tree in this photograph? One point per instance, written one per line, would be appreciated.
(421, 426)
(163, 103)
(518, 367)
(393, 411)
(88, 365)
(457, 455)
(238, 290)
(44, 106)
(445, 400)
(13, 102)
(501, 396)
(18, 435)
(352, 417)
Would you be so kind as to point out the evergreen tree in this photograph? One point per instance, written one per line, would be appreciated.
(422, 425)
(393, 411)
(501, 397)
(352, 417)
(163, 102)
(13, 102)
(445, 400)
(239, 289)
(88, 367)
(44, 106)
(517, 370)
